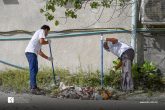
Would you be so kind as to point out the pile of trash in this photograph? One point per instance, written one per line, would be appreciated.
(83, 93)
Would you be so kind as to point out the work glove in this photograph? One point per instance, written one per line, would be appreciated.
(49, 41)
(50, 59)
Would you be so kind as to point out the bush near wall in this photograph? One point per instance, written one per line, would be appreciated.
(148, 76)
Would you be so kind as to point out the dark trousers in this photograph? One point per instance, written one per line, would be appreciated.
(127, 81)
(33, 67)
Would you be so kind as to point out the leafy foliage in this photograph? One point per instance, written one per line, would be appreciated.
(147, 77)
(50, 7)
(113, 77)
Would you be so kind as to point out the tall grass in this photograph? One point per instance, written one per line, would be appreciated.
(14, 80)
(18, 80)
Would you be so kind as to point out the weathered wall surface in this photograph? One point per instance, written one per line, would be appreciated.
(154, 49)
(25, 15)
(151, 47)
(71, 53)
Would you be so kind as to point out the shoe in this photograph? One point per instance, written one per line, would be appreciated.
(37, 91)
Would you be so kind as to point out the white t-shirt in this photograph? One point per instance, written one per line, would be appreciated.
(34, 45)
(118, 48)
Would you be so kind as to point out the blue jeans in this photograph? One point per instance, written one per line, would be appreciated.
(33, 67)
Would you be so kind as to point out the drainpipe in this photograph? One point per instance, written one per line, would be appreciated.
(134, 25)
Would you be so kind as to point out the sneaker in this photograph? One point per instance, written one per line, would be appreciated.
(37, 91)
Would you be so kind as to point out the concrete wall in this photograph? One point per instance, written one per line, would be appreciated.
(154, 49)
(71, 53)
(151, 47)
(25, 15)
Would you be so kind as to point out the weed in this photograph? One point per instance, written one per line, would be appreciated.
(146, 77)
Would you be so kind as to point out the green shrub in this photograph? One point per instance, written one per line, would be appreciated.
(113, 79)
(147, 76)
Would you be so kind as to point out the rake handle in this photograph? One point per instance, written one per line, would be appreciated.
(53, 71)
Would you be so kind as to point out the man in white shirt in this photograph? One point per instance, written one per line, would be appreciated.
(126, 55)
(32, 51)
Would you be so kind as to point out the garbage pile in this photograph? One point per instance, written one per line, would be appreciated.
(83, 93)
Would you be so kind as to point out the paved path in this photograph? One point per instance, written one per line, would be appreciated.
(33, 102)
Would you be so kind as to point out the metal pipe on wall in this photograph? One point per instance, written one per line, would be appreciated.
(62, 35)
(134, 24)
(77, 34)
(101, 61)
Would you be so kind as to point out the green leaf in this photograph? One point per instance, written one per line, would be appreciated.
(41, 10)
(106, 3)
(56, 23)
(70, 13)
(50, 6)
(50, 17)
(94, 5)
